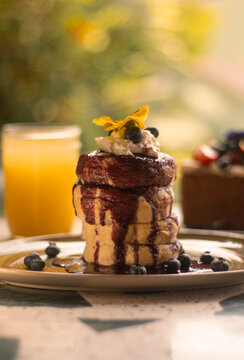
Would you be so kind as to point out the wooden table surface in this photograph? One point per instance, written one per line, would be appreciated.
(169, 325)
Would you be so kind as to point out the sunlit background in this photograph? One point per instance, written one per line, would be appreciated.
(71, 61)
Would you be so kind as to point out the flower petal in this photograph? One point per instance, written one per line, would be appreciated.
(103, 121)
(121, 123)
(138, 117)
(111, 127)
(141, 113)
(138, 121)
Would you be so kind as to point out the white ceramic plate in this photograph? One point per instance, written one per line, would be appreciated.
(222, 244)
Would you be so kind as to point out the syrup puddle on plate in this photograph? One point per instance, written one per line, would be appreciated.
(74, 264)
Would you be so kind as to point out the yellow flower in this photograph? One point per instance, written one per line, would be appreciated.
(138, 117)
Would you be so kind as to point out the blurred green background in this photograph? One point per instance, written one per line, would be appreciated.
(71, 61)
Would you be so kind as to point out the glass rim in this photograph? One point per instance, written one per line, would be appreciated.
(40, 131)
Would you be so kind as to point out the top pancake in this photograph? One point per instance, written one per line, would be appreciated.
(101, 168)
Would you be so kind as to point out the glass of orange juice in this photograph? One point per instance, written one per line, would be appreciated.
(39, 163)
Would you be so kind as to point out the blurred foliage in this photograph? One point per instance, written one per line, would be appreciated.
(71, 61)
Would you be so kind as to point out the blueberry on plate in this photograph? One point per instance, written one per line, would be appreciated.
(29, 258)
(185, 261)
(138, 269)
(206, 257)
(52, 250)
(37, 264)
(170, 266)
(220, 265)
(153, 130)
(134, 134)
(182, 251)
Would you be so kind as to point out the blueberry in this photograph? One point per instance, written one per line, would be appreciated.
(37, 264)
(185, 261)
(233, 140)
(170, 266)
(130, 123)
(236, 135)
(138, 269)
(206, 257)
(153, 130)
(134, 134)
(220, 265)
(233, 146)
(52, 250)
(221, 148)
(29, 258)
(182, 251)
(223, 162)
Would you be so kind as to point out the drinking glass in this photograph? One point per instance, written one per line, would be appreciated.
(39, 163)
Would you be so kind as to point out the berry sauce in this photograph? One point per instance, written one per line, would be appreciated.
(74, 264)
(123, 205)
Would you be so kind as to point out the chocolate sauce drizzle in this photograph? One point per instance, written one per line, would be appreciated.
(154, 231)
(73, 197)
(169, 191)
(96, 254)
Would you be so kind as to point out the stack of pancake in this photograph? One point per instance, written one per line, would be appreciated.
(125, 205)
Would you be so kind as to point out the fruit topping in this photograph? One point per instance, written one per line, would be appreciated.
(233, 146)
(37, 264)
(130, 123)
(185, 261)
(206, 257)
(233, 141)
(29, 258)
(220, 265)
(205, 154)
(171, 266)
(134, 134)
(52, 250)
(138, 269)
(236, 157)
(241, 144)
(131, 128)
(221, 148)
(225, 153)
(223, 162)
(153, 130)
(137, 117)
(235, 135)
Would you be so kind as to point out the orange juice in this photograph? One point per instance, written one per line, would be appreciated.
(39, 165)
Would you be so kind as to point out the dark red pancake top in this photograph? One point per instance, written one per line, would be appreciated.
(101, 168)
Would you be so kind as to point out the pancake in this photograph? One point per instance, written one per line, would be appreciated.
(158, 233)
(99, 168)
(105, 205)
(131, 254)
